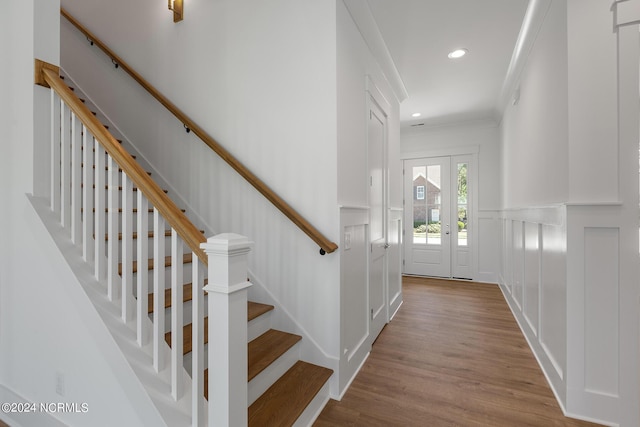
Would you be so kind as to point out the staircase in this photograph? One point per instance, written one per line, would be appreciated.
(148, 266)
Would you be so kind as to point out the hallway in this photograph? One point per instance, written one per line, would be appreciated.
(452, 356)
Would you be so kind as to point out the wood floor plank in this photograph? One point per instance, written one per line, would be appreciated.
(452, 356)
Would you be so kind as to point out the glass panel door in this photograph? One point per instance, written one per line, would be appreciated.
(427, 217)
(438, 223)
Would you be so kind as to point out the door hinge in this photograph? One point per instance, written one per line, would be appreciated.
(402, 262)
(372, 314)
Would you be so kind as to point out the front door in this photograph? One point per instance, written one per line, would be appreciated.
(437, 217)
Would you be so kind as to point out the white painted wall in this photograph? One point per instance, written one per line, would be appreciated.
(260, 78)
(593, 114)
(535, 154)
(44, 327)
(482, 138)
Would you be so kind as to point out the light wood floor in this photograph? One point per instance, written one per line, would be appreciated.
(452, 356)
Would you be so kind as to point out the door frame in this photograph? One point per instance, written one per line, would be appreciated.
(374, 97)
(472, 151)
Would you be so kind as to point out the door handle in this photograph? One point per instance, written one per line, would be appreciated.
(386, 246)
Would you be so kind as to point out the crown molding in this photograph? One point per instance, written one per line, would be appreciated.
(531, 24)
(368, 28)
(627, 12)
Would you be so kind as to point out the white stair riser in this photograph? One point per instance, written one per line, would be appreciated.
(265, 379)
(314, 408)
(259, 326)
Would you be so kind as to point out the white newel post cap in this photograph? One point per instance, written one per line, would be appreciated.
(228, 262)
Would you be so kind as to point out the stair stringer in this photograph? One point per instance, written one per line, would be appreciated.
(310, 351)
(131, 365)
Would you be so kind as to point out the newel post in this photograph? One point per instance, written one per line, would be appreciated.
(227, 289)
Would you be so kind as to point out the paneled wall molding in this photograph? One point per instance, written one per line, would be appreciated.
(546, 215)
(533, 280)
(602, 322)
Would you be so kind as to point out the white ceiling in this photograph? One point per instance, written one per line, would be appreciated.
(420, 33)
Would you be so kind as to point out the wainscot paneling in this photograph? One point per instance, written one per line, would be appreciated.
(533, 280)
(354, 293)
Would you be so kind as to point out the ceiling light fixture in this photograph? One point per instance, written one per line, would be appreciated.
(416, 115)
(458, 53)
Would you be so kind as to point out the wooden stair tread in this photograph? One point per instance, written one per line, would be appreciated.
(256, 309)
(106, 187)
(186, 259)
(286, 399)
(187, 295)
(135, 210)
(107, 168)
(150, 235)
(167, 233)
(187, 342)
(187, 329)
(268, 347)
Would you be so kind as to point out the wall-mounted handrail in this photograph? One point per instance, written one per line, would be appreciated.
(326, 245)
(156, 196)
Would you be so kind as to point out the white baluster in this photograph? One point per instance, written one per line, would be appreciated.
(158, 290)
(55, 152)
(65, 166)
(227, 302)
(113, 229)
(87, 195)
(99, 214)
(177, 319)
(197, 351)
(127, 247)
(76, 181)
(143, 274)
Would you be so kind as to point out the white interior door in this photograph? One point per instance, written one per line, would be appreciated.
(377, 221)
(427, 217)
(438, 210)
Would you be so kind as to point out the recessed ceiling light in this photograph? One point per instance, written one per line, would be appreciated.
(416, 115)
(458, 53)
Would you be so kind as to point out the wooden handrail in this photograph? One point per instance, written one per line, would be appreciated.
(325, 244)
(156, 196)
